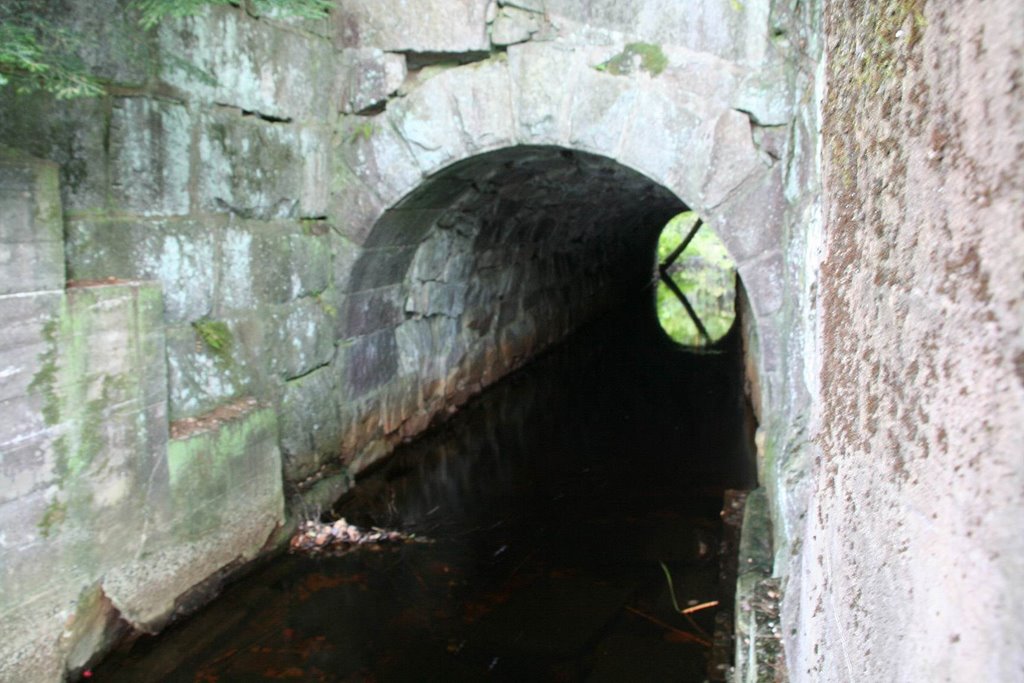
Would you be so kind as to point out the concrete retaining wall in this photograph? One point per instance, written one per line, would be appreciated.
(911, 562)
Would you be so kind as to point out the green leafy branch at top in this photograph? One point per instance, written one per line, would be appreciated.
(155, 10)
(37, 53)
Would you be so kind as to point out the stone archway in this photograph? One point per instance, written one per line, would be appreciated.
(672, 134)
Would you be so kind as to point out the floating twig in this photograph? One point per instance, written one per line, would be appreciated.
(701, 606)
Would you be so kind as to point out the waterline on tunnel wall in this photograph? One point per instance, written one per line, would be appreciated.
(695, 297)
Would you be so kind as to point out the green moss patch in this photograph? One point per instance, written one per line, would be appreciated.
(216, 336)
(651, 59)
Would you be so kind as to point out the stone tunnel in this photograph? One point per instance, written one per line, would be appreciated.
(274, 248)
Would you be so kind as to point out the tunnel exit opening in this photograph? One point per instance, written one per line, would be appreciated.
(495, 258)
(695, 294)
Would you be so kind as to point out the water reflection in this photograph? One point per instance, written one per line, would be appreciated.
(552, 500)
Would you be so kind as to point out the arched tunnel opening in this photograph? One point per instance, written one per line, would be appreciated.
(567, 522)
(483, 266)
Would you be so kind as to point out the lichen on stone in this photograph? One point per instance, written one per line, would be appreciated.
(55, 514)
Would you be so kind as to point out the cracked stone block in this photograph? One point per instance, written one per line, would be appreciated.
(765, 96)
(310, 424)
(180, 254)
(149, 157)
(733, 157)
(750, 223)
(434, 25)
(257, 169)
(253, 64)
(31, 225)
(300, 340)
(513, 25)
(369, 76)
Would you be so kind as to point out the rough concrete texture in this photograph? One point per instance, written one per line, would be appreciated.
(912, 556)
(84, 431)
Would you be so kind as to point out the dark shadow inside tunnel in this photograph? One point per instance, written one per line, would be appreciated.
(564, 511)
(478, 270)
(567, 511)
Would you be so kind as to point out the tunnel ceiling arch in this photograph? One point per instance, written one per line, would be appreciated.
(484, 265)
(678, 129)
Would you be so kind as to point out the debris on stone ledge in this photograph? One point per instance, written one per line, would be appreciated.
(340, 537)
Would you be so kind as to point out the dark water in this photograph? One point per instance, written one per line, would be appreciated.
(552, 501)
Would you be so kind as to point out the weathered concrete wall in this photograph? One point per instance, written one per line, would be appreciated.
(911, 560)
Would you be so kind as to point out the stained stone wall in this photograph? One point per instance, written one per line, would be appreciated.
(104, 515)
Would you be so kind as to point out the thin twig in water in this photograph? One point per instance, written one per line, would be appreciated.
(701, 606)
(685, 635)
(675, 603)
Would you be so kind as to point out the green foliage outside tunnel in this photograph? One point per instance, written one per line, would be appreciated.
(39, 53)
(706, 276)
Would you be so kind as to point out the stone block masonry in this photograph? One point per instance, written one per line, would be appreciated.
(125, 520)
(292, 244)
(342, 229)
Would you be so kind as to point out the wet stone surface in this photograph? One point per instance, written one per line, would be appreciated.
(550, 502)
